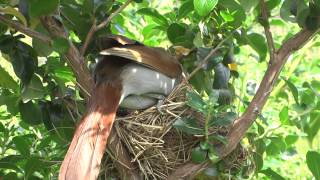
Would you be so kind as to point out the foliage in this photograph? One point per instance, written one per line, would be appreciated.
(40, 101)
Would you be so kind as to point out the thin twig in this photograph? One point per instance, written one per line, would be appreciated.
(88, 38)
(25, 30)
(94, 28)
(266, 26)
(206, 59)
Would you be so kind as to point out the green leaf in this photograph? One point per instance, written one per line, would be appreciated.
(10, 162)
(42, 48)
(188, 125)
(286, 11)
(248, 5)
(150, 30)
(226, 16)
(175, 31)
(272, 174)
(293, 90)
(276, 146)
(223, 120)
(291, 139)
(313, 126)
(204, 7)
(258, 161)
(204, 145)
(61, 45)
(238, 12)
(284, 115)
(221, 139)
(155, 15)
(198, 155)
(34, 90)
(6, 81)
(24, 61)
(307, 97)
(313, 162)
(22, 145)
(195, 101)
(185, 9)
(39, 8)
(30, 113)
(214, 158)
(33, 164)
(258, 43)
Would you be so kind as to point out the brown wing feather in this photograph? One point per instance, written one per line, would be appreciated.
(155, 58)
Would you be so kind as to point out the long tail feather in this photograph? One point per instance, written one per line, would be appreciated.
(83, 159)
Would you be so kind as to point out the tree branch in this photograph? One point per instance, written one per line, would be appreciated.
(94, 28)
(266, 26)
(25, 30)
(242, 124)
(206, 59)
(75, 60)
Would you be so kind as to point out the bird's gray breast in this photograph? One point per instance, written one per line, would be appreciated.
(142, 87)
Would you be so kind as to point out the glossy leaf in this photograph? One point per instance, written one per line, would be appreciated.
(272, 174)
(293, 90)
(30, 113)
(34, 90)
(61, 45)
(284, 115)
(186, 8)
(258, 161)
(204, 7)
(22, 145)
(188, 125)
(195, 101)
(6, 81)
(198, 155)
(258, 43)
(39, 8)
(175, 32)
(313, 162)
(276, 146)
(155, 15)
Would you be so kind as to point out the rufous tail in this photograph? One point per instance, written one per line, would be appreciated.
(83, 159)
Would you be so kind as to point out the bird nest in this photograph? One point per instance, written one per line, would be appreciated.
(154, 144)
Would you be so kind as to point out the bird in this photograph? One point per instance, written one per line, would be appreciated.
(129, 75)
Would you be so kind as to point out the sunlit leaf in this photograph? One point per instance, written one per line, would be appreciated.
(313, 162)
(204, 7)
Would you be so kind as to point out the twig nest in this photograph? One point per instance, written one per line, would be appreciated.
(155, 145)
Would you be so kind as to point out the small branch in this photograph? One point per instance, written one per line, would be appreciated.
(266, 26)
(88, 38)
(242, 124)
(25, 30)
(94, 28)
(206, 59)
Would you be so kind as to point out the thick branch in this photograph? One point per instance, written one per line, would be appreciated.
(266, 26)
(25, 30)
(94, 28)
(242, 124)
(85, 81)
(73, 56)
